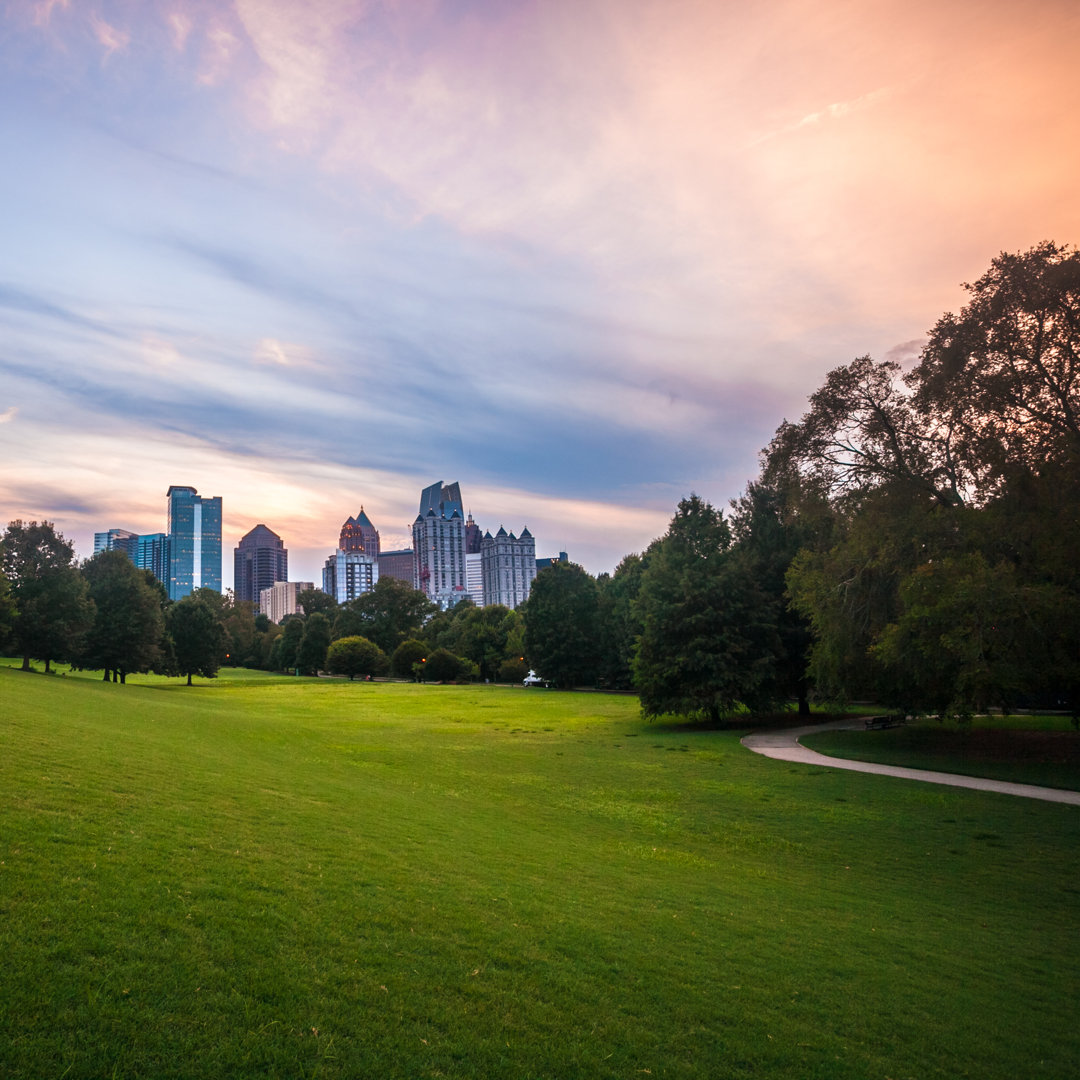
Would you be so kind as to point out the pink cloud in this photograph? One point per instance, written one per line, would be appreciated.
(111, 38)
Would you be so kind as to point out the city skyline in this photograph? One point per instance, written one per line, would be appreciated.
(586, 257)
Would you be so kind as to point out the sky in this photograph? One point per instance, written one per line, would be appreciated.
(581, 256)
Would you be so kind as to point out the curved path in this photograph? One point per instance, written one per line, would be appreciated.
(784, 745)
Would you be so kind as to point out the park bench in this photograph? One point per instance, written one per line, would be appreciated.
(873, 722)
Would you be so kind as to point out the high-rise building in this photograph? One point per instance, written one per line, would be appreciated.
(358, 534)
(473, 536)
(259, 561)
(439, 545)
(543, 564)
(148, 552)
(279, 599)
(397, 564)
(115, 540)
(349, 574)
(474, 577)
(509, 567)
(152, 553)
(194, 542)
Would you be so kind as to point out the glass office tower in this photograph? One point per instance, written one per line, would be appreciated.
(194, 542)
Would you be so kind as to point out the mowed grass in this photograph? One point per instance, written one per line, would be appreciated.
(1043, 750)
(299, 878)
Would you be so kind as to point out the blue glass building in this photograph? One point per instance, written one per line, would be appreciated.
(194, 542)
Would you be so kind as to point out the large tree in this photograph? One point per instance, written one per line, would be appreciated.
(197, 634)
(562, 634)
(708, 635)
(286, 646)
(486, 636)
(311, 601)
(619, 621)
(311, 655)
(354, 656)
(949, 579)
(7, 610)
(1004, 374)
(389, 614)
(54, 609)
(864, 429)
(128, 619)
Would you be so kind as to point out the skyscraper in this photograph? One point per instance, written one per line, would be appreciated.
(509, 567)
(397, 564)
(259, 561)
(358, 534)
(439, 545)
(148, 552)
(348, 574)
(152, 553)
(280, 599)
(194, 542)
(115, 540)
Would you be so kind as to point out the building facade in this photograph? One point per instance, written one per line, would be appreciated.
(152, 553)
(115, 540)
(543, 564)
(194, 526)
(259, 561)
(149, 551)
(349, 574)
(439, 545)
(474, 577)
(279, 599)
(397, 564)
(509, 567)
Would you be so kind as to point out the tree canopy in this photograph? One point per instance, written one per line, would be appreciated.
(129, 618)
(562, 633)
(53, 609)
(197, 634)
(354, 656)
(707, 631)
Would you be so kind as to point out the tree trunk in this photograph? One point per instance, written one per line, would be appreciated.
(26, 663)
(105, 675)
(47, 668)
(189, 678)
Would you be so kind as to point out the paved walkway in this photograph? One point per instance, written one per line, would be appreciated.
(784, 745)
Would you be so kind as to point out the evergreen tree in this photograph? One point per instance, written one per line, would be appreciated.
(708, 633)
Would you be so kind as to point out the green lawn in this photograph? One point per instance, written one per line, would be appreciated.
(272, 877)
(1042, 750)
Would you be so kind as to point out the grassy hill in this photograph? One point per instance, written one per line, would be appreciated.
(280, 877)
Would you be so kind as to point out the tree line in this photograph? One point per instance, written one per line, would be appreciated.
(108, 615)
(911, 540)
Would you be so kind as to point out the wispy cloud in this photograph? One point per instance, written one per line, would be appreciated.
(111, 38)
(180, 25)
(16, 299)
(283, 353)
(9, 414)
(838, 110)
(834, 112)
(44, 8)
